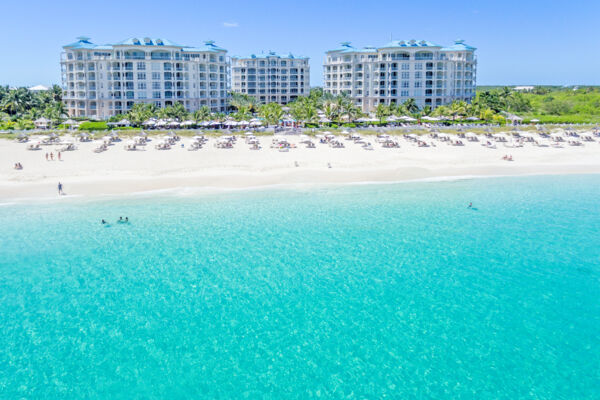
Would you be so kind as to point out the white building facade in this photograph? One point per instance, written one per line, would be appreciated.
(271, 77)
(432, 75)
(100, 81)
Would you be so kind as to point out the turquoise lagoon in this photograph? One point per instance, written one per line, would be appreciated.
(359, 292)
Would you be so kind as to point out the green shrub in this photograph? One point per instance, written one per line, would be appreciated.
(93, 126)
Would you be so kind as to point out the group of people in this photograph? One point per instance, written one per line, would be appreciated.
(52, 156)
(507, 157)
(120, 221)
(18, 166)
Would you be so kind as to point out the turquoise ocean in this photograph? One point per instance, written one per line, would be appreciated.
(346, 292)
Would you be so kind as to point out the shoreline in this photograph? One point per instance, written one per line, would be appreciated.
(200, 190)
(117, 172)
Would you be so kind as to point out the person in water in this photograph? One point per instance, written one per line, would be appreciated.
(126, 219)
(103, 222)
(470, 205)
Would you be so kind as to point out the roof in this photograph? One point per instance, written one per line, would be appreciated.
(85, 43)
(146, 42)
(459, 45)
(272, 54)
(81, 43)
(346, 47)
(409, 43)
(39, 88)
(209, 45)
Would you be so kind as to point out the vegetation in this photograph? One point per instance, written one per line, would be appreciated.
(93, 126)
(551, 104)
(20, 107)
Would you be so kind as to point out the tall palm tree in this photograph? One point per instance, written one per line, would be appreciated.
(272, 113)
(56, 93)
(55, 112)
(201, 114)
(17, 101)
(411, 106)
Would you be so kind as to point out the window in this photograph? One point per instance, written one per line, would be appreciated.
(141, 66)
(404, 93)
(417, 84)
(405, 75)
(141, 95)
(155, 85)
(405, 84)
(418, 75)
(405, 66)
(141, 85)
(156, 95)
(155, 67)
(141, 76)
(419, 66)
(156, 76)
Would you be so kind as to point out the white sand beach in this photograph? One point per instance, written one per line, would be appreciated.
(118, 171)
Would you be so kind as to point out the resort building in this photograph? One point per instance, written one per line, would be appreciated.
(430, 74)
(100, 81)
(271, 77)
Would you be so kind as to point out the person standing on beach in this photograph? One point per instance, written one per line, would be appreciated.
(60, 188)
(46, 156)
(52, 156)
(59, 156)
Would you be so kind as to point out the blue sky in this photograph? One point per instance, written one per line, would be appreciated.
(519, 42)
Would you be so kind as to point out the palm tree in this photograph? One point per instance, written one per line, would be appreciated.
(330, 110)
(272, 113)
(243, 103)
(55, 112)
(201, 114)
(458, 108)
(17, 101)
(56, 93)
(411, 106)
(382, 111)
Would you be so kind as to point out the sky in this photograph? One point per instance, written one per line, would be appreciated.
(518, 42)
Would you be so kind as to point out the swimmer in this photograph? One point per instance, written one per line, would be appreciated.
(126, 219)
(103, 222)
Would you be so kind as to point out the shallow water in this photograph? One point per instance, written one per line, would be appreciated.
(358, 292)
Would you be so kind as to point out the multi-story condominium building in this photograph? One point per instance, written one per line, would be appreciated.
(271, 77)
(104, 80)
(402, 69)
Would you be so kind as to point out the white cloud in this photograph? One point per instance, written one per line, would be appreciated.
(230, 24)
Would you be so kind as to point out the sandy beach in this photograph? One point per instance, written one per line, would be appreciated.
(117, 171)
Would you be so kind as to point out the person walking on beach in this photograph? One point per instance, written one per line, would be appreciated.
(59, 156)
(52, 156)
(60, 188)
(46, 156)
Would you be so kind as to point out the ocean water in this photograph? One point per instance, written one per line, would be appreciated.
(349, 292)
